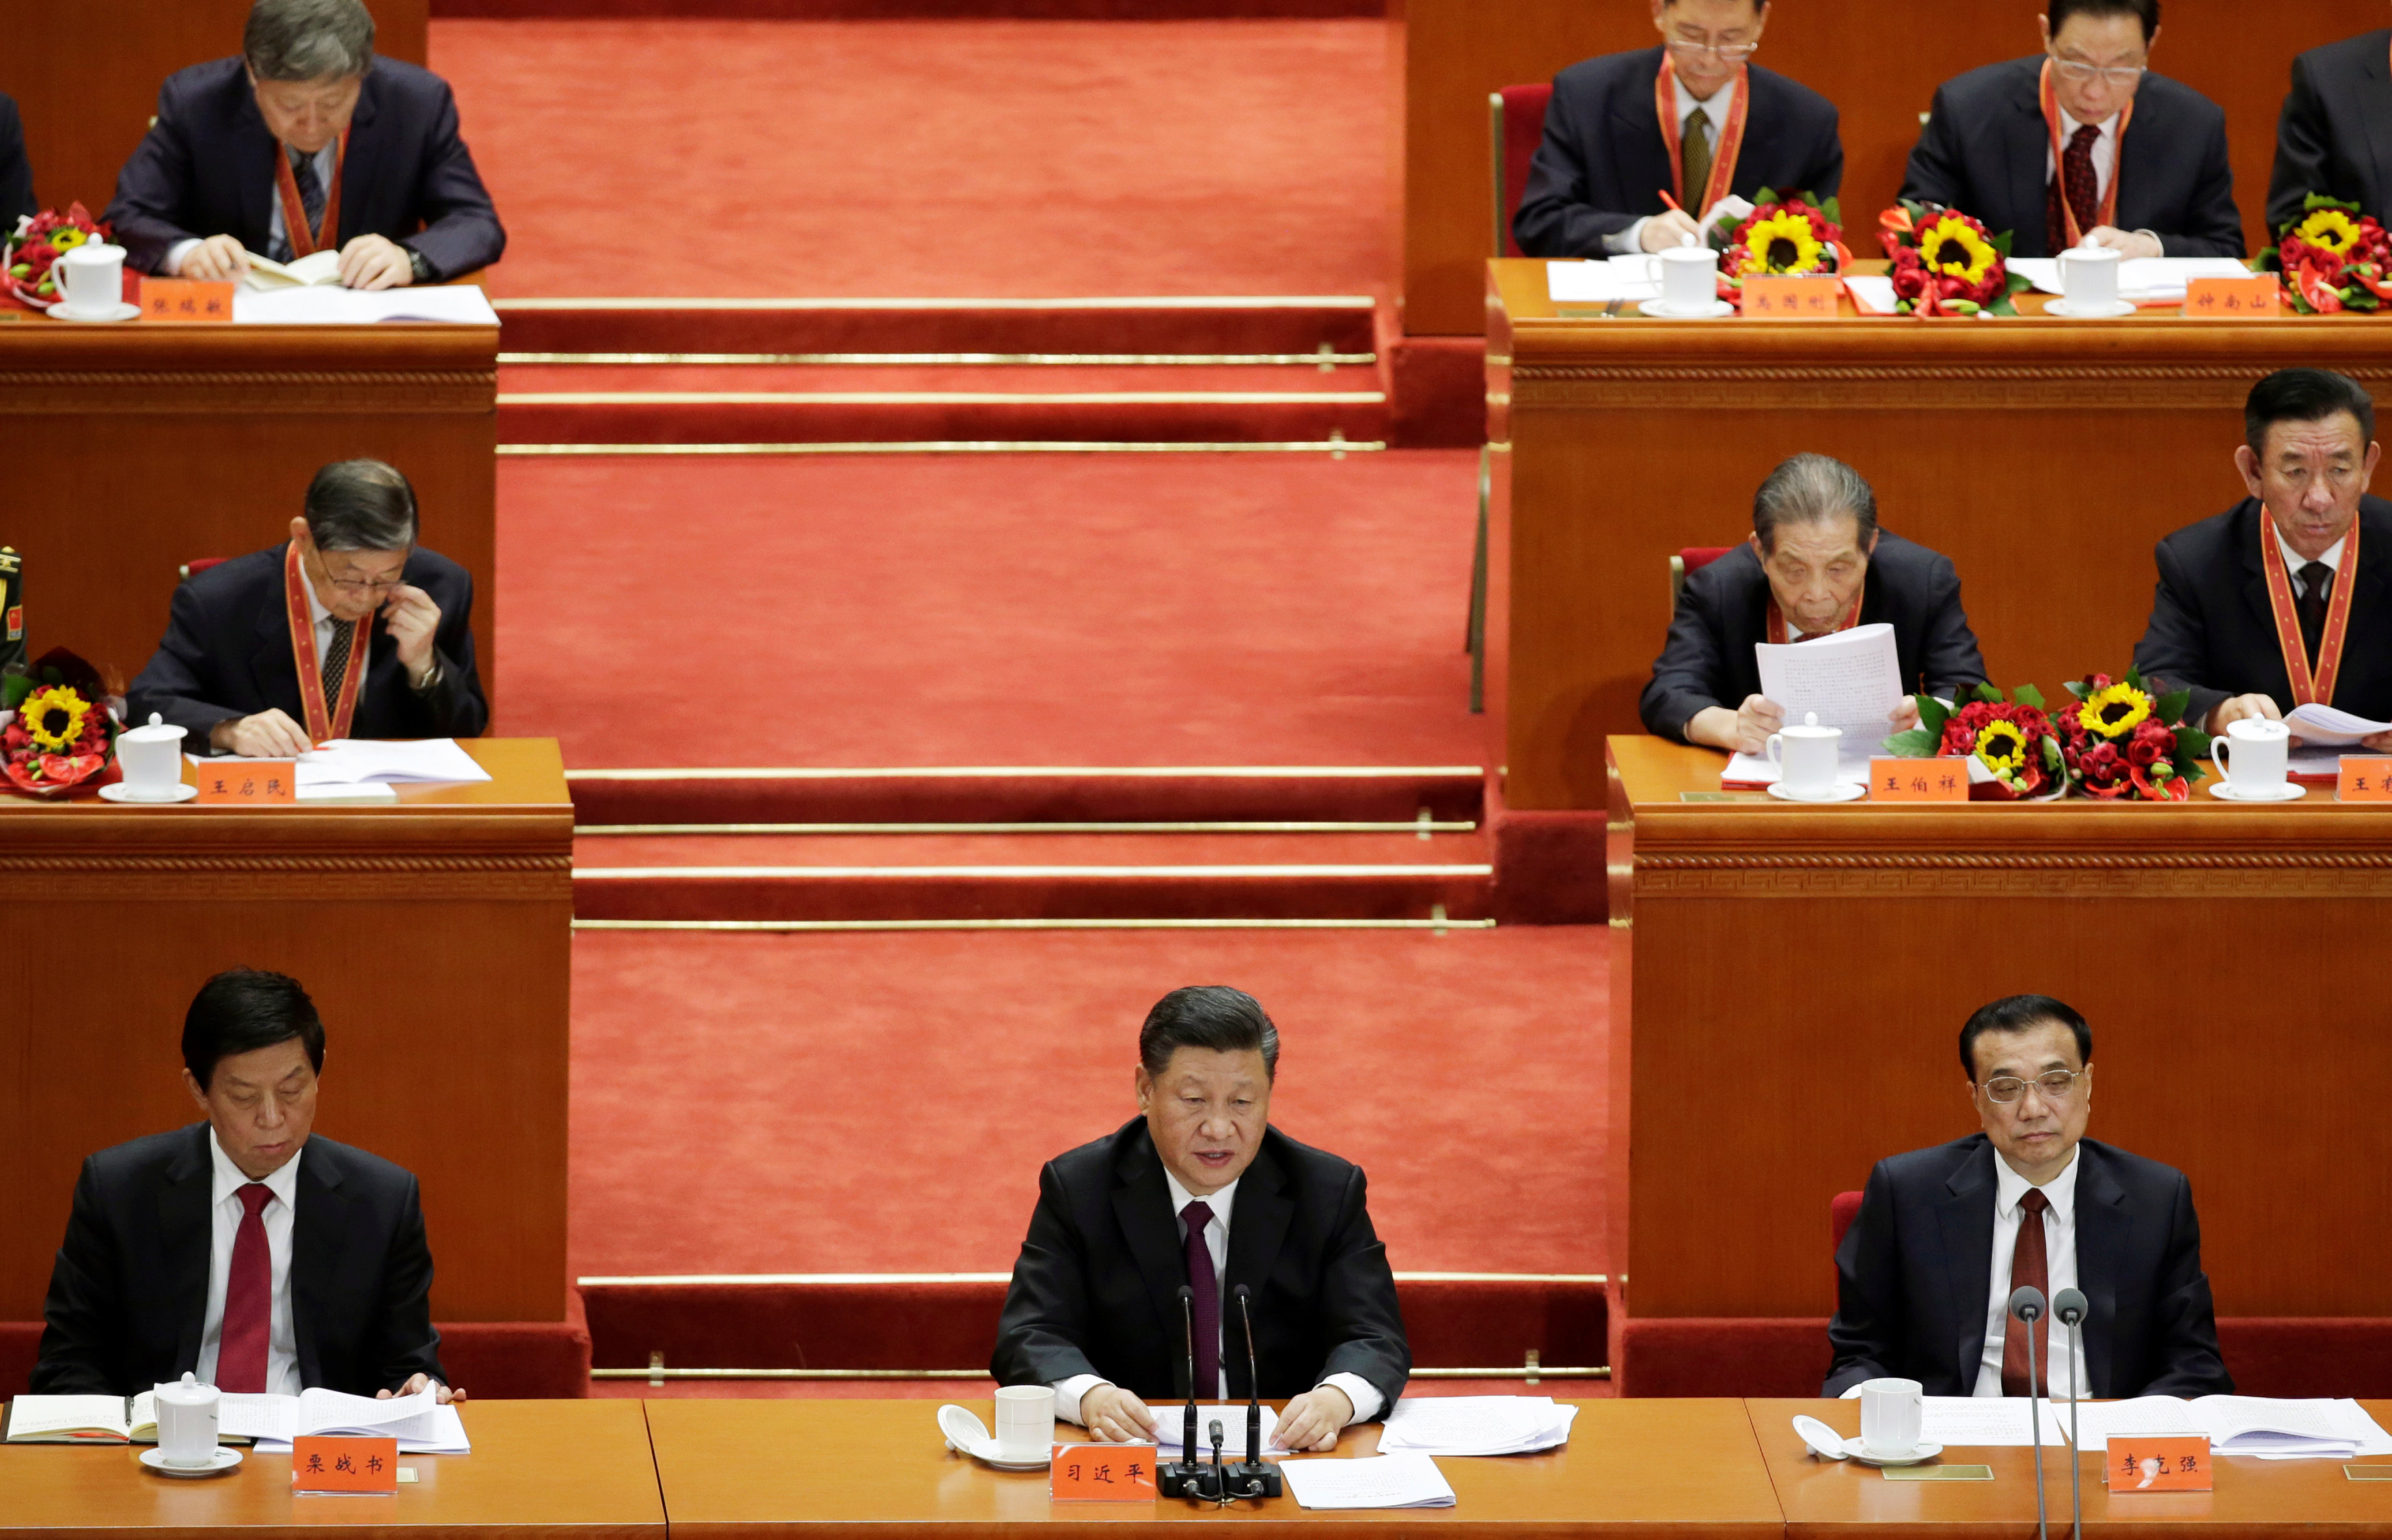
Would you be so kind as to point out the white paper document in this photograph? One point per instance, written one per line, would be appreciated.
(420, 1423)
(1988, 1422)
(1170, 1422)
(347, 761)
(2141, 281)
(1383, 1481)
(2243, 1425)
(1476, 1425)
(1624, 279)
(1872, 292)
(329, 304)
(2322, 726)
(1850, 681)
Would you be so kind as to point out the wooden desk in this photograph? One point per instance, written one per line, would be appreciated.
(2045, 456)
(1790, 981)
(2259, 1499)
(539, 1471)
(434, 938)
(135, 448)
(752, 1469)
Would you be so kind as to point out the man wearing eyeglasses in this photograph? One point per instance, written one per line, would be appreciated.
(2028, 1202)
(2083, 143)
(1692, 122)
(348, 629)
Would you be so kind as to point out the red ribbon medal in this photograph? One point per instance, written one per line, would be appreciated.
(324, 722)
(2307, 690)
(2109, 212)
(305, 242)
(1665, 102)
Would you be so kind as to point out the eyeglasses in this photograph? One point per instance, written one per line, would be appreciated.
(2057, 1085)
(2126, 77)
(1732, 53)
(361, 584)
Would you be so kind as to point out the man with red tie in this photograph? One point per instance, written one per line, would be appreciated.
(2028, 1202)
(193, 1252)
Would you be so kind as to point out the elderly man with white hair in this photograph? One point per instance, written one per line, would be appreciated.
(307, 142)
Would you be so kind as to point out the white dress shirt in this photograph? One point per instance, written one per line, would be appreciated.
(1360, 1391)
(2060, 1264)
(277, 233)
(2294, 562)
(225, 1212)
(1714, 110)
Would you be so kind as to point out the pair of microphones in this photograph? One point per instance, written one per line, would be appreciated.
(1223, 1483)
(2069, 1308)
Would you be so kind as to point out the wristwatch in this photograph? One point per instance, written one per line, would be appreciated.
(416, 264)
(430, 679)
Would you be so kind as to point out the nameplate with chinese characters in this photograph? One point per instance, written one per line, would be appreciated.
(2158, 1465)
(2233, 299)
(1102, 1473)
(1919, 779)
(2364, 778)
(248, 782)
(185, 300)
(321, 1464)
(1784, 298)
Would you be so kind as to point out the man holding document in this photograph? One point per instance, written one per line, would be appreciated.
(1816, 566)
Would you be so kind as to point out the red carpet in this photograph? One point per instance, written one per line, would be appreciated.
(882, 10)
(931, 158)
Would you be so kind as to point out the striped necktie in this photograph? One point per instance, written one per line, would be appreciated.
(336, 662)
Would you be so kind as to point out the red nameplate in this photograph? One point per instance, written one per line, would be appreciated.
(1812, 297)
(344, 1464)
(2365, 780)
(1102, 1473)
(2233, 299)
(185, 300)
(2158, 1465)
(248, 783)
(1919, 779)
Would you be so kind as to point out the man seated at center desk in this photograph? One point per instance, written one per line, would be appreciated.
(1815, 563)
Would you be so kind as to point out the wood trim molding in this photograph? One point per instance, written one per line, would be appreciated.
(1923, 387)
(2241, 874)
(283, 392)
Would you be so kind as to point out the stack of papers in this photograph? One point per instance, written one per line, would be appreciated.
(1990, 1422)
(2141, 281)
(419, 1422)
(1621, 278)
(1171, 1422)
(351, 761)
(329, 304)
(1472, 1425)
(2243, 1425)
(1850, 680)
(1388, 1481)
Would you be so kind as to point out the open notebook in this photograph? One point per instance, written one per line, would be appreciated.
(420, 1423)
(84, 1418)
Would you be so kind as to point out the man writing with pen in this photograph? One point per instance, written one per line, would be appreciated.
(1201, 1196)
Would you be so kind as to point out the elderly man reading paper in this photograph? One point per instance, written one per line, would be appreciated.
(1816, 564)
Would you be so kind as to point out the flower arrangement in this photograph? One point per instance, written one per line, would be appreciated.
(1946, 263)
(2333, 258)
(1786, 233)
(2121, 743)
(2012, 738)
(39, 241)
(61, 732)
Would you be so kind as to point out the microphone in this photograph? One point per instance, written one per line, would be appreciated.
(2026, 1306)
(1255, 1477)
(2069, 1308)
(1185, 1476)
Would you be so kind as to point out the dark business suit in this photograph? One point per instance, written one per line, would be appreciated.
(206, 168)
(1986, 152)
(1724, 611)
(2213, 631)
(1096, 1287)
(16, 172)
(129, 1293)
(227, 654)
(2336, 133)
(1914, 1270)
(1604, 164)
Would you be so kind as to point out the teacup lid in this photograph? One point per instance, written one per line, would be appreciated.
(1811, 728)
(157, 731)
(187, 1392)
(2258, 727)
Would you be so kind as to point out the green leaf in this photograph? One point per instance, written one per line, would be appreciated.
(2053, 762)
(2133, 677)
(2019, 283)
(2027, 694)
(2169, 708)
(14, 688)
(1917, 743)
(1765, 197)
(2001, 245)
(1932, 714)
(1834, 209)
(2192, 743)
(2002, 307)
(2078, 689)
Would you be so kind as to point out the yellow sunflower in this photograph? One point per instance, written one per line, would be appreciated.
(65, 239)
(2330, 231)
(2113, 712)
(1783, 243)
(1950, 246)
(55, 717)
(2001, 745)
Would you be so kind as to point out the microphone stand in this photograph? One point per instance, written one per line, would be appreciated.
(2070, 1306)
(1255, 1477)
(1220, 1485)
(1185, 1476)
(2026, 1305)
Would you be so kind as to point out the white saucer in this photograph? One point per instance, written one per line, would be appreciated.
(1846, 791)
(2111, 311)
(226, 1458)
(1662, 310)
(117, 791)
(2291, 791)
(966, 1434)
(120, 312)
(1854, 1449)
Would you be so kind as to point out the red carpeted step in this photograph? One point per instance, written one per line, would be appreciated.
(876, 11)
(1199, 328)
(914, 376)
(1191, 416)
(963, 846)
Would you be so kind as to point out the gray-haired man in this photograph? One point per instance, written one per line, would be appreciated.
(307, 142)
(348, 629)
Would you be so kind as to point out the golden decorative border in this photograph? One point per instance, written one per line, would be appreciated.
(1908, 386)
(2236, 875)
(67, 392)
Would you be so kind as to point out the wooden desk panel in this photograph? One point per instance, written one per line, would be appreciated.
(149, 444)
(436, 938)
(539, 1471)
(1797, 977)
(747, 1470)
(2257, 1499)
(2045, 456)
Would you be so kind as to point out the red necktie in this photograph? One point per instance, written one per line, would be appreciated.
(2029, 1269)
(249, 1299)
(1207, 1290)
(2082, 188)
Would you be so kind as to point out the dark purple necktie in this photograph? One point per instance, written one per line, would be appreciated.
(2075, 179)
(1207, 1291)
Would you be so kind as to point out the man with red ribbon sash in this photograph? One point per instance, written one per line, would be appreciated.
(306, 143)
(2338, 110)
(2081, 142)
(1815, 563)
(2286, 599)
(349, 629)
(1639, 147)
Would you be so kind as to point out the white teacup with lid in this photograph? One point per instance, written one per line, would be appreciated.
(1805, 758)
(151, 758)
(90, 279)
(2253, 756)
(2089, 277)
(1689, 278)
(186, 1423)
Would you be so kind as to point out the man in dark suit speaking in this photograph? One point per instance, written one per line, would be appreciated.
(2335, 136)
(1202, 1193)
(244, 1249)
(348, 629)
(307, 142)
(2081, 142)
(2284, 599)
(1944, 1236)
(1691, 118)
(1815, 563)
